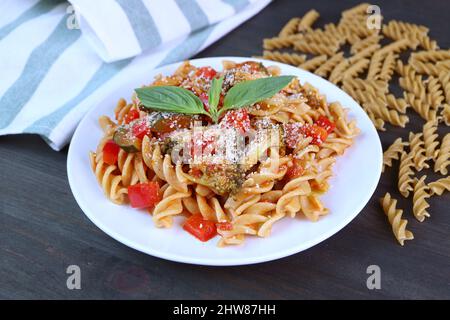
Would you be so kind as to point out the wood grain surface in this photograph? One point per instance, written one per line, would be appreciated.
(42, 229)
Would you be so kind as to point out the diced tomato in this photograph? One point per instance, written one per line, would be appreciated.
(144, 195)
(224, 226)
(295, 171)
(200, 228)
(325, 123)
(318, 134)
(238, 119)
(175, 122)
(206, 72)
(110, 152)
(292, 134)
(133, 114)
(140, 129)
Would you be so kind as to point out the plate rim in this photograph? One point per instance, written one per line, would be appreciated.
(229, 261)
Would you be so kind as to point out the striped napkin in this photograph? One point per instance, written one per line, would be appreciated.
(58, 59)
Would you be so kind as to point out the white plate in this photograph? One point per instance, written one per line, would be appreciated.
(356, 176)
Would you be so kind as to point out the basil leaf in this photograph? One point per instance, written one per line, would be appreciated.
(249, 92)
(214, 96)
(170, 99)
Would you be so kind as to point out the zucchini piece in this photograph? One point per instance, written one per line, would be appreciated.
(125, 139)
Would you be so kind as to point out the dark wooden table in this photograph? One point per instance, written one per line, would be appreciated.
(42, 229)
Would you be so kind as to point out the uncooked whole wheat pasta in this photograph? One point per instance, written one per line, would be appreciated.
(393, 152)
(290, 27)
(289, 58)
(439, 186)
(308, 20)
(313, 63)
(394, 215)
(420, 204)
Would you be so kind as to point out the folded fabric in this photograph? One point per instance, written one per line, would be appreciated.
(52, 73)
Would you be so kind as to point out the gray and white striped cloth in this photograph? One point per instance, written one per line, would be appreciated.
(52, 71)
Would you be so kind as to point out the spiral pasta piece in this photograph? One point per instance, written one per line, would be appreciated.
(365, 43)
(443, 158)
(430, 55)
(387, 69)
(420, 204)
(290, 27)
(308, 20)
(425, 68)
(170, 205)
(380, 110)
(445, 114)
(325, 69)
(423, 108)
(405, 173)
(280, 42)
(444, 79)
(290, 58)
(417, 150)
(336, 75)
(394, 215)
(357, 68)
(315, 48)
(110, 182)
(398, 104)
(435, 95)
(430, 139)
(313, 63)
(393, 152)
(439, 186)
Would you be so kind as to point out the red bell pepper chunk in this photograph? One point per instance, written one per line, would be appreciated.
(144, 195)
(238, 119)
(325, 123)
(200, 228)
(206, 72)
(141, 129)
(133, 114)
(110, 152)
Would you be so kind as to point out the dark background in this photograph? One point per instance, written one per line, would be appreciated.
(42, 229)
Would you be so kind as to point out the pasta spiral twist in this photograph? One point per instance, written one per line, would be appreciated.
(290, 58)
(420, 195)
(404, 174)
(439, 186)
(416, 147)
(430, 139)
(313, 63)
(290, 27)
(110, 182)
(329, 65)
(393, 152)
(169, 206)
(443, 157)
(394, 215)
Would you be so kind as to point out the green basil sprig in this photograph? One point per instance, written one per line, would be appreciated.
(179, 100)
